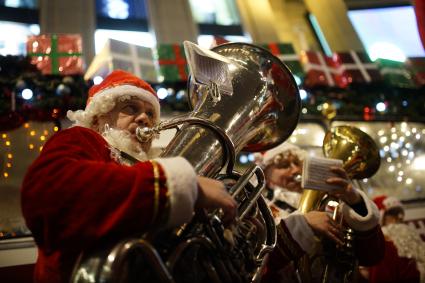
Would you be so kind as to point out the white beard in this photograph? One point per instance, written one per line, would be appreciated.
(120, 140)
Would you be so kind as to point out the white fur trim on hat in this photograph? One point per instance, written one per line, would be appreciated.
(358, 222)
(105, 100)
(183, 189)
(269, 156)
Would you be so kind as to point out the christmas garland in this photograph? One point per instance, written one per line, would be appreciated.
(50, 95)
(53, 95)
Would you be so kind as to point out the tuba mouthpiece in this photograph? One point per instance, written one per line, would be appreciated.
(297, 178)
(144, 134)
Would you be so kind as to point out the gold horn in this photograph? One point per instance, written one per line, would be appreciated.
(357, 150)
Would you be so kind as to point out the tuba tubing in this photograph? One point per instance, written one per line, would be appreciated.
(145, 134)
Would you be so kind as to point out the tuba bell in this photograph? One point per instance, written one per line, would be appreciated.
(361, 159)
(256, 111)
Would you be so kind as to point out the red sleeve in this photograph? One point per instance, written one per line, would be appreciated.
(369, 246)
(280, 262)
(74, 193)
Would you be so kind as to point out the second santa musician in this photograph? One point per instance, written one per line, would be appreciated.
(305, 238)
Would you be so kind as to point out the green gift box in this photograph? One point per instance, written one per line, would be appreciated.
(172, 62)
(286, 53)
(395, 73)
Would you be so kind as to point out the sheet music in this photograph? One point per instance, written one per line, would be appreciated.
(316, 170)
(206, 65)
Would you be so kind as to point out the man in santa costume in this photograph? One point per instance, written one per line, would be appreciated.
(307, 241)
(94, 182)
(404, 259)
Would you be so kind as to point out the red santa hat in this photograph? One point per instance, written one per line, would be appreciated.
(117, 85)
(384, 203)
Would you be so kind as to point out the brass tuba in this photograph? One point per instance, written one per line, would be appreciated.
(360, 156)
(260, 112)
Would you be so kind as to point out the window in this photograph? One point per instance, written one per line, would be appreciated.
(402, 151)
(218, 12)
(19, 11)
(13, 37)
(319, 34)
(30, 4)
(124, 20)
(18, 20)
(216, 17)
(134, 37)
(121, 9)
(122, 15)
(389, 32)
(207, 41)
(24, 146)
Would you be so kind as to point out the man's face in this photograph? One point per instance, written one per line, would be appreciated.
(283, 171)
(393, 216)
(127, 116)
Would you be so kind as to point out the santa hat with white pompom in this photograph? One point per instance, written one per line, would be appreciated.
(117, 85)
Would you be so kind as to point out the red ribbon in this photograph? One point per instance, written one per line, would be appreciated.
(274, 48)
(179, 60)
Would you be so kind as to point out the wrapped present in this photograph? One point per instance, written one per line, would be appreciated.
(116, 54)
(321, 70)
(416, 66)
(172, 62)
(395, 73)
(218, 40)
(56, 54)
(286, 53)
(356, 67)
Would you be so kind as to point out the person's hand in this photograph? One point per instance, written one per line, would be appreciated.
(212, 194)
(346, 191)
(323, 225)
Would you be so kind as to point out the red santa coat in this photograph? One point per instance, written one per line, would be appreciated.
(393, 268)
(76, 195)
(404, 259)
(297, 245)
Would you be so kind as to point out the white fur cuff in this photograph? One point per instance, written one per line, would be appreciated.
(358, 222)
(183, 189)
(301, 232)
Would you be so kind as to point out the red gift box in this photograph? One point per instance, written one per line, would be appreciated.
(287, 54)
(320, 70)
(356, 67)
(56, 54)
(417, 66)
(218, 40)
